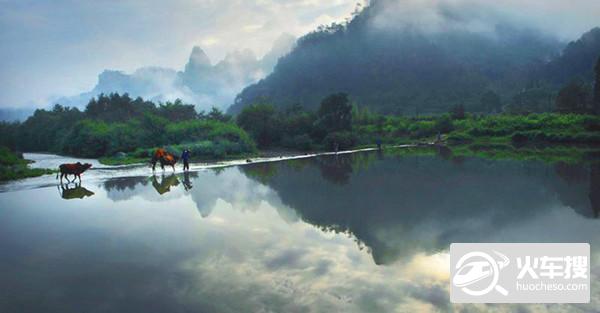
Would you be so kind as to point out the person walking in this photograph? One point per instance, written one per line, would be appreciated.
(185, 157)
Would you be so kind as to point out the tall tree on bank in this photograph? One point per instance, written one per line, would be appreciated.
(335, 113)
(572, 98)
(259, 120)
(490, 101)
(596, 106)
(334, 122)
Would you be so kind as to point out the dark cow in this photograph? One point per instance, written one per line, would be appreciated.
(164, 157)
(74, 169)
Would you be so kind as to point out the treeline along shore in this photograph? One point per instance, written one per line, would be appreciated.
(118, 129)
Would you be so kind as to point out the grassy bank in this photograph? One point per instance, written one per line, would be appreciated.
(549, 136)
(205, 150)
(548, 154)
(544, 128)
(13, 167)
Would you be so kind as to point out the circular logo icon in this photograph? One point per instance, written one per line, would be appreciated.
(474, 268)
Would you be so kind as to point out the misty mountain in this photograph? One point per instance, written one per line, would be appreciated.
(201, 82)
(15, 114)
(394, 61)
(576, 61)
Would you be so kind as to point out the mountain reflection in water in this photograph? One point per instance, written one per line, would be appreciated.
(398, 206)
(365, 232)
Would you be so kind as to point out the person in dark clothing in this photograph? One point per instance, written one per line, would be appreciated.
(378, 143)
(185, 157)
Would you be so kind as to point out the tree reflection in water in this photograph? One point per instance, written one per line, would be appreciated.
(402, 204)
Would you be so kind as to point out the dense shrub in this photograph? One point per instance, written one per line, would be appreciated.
(422, 129)
(344, 140)
(459, 137)
(444, 124)
(553, 137)
(8, 158)
(13, 166)
(300, 142)
(116, 123)
(88, 138)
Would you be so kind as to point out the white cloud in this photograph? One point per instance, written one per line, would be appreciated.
(57, 48)
(565, 19)
(209, 41)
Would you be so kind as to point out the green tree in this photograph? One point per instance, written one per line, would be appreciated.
(296, 127)
(335, 113)
(572, 98)
(491, 102)
(117, 108)
(45, 130)
(597, 87)
(218, 115)
(9, 131)
(458, 112)
(536, 99)
(176, 111)
(88, 138)
(260, 122)
(444, 124)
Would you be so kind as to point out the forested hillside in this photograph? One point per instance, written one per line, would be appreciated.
(410, 70)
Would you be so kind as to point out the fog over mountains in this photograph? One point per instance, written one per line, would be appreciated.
(393, 56)
(405, 57)
(201, 82)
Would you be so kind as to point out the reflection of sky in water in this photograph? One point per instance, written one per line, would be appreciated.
(285, 237)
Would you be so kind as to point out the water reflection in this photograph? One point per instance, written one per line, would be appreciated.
(187, 184)
(394, 206)
(595, 189)
(71, 191)
(366, 232)
(399, 207)
(165, 184)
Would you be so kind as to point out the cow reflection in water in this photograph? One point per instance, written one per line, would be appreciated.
(75, 191)
(165, 184)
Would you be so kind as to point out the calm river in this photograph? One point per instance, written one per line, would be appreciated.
(363, 232)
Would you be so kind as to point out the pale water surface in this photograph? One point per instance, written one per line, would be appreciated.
(363, 232)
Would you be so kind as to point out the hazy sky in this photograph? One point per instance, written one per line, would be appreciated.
(57, 48)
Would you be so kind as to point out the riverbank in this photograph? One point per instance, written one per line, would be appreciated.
(548, 153)
(13, 166)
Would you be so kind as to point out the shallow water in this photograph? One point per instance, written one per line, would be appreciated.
(362, 232)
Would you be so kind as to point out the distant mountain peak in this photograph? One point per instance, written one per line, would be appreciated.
(200, 82)
(592, 35)
(198, 58)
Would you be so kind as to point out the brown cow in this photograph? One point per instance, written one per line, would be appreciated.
(164, 157)
(75, 169)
